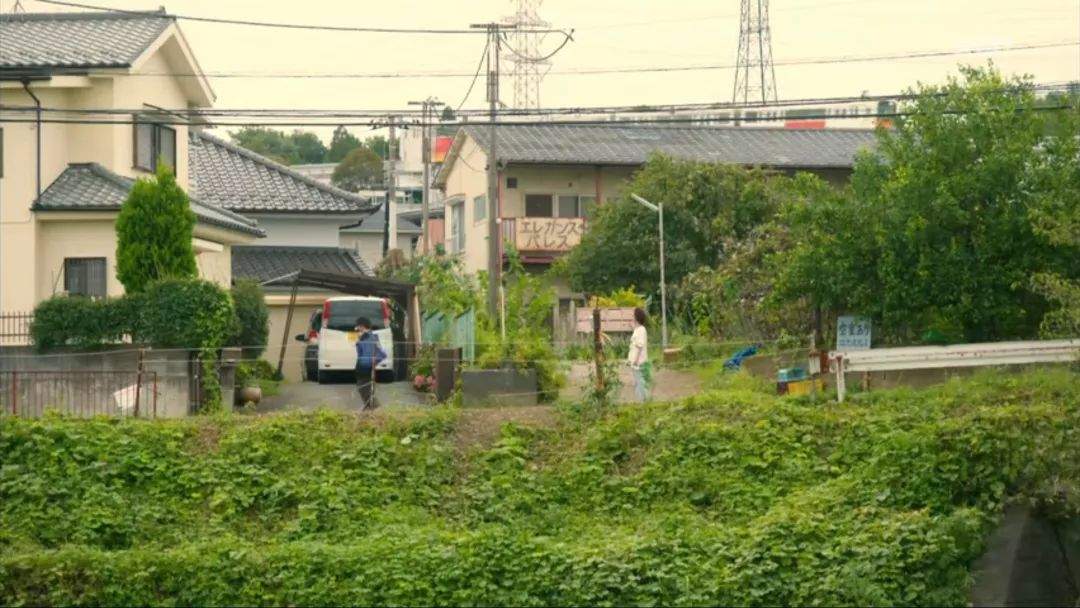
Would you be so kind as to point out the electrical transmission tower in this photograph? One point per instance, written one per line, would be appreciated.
(755, 77)
(526, 66)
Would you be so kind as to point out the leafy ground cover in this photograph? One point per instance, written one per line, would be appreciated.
(730, 497)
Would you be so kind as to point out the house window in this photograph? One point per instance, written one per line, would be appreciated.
(563, 205)
(479, 208)
(538, 205)
(511, 183)
(85, 276)
(154, 142)
(457, 227)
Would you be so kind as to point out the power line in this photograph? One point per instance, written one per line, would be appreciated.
(479, 68)
(291, 26)
(1047, 87)
(608, 122)
(591, 71)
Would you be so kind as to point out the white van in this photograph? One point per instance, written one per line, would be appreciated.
(337, 338)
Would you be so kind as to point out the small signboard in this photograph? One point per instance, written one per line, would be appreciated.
(852, 333)
(612, 320)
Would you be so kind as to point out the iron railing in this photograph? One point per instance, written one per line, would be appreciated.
(78, 393)
(15, 327)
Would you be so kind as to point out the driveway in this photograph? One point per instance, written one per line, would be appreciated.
(307, 396)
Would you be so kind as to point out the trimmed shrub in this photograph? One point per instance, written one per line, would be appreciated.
(82, 322)
(252, 318)
(186, 313)
(153, 233)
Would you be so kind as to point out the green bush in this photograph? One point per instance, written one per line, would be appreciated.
(252, 318)
(730, 498)
(82, 322)
(153, 233)
(186, 313)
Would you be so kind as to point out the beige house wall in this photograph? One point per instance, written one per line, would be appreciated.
(466, 181)
(25, 277)
(278, 304)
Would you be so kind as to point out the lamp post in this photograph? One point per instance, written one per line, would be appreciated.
(659, 208)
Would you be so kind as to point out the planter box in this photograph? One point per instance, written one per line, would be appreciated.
(499, 387)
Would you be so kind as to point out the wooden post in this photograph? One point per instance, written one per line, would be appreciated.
(840, 387)
(598, 350)
(288, 323)
(138, 381)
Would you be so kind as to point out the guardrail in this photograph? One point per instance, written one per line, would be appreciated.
(956, 355)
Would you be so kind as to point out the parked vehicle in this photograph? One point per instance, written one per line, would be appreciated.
(331, 337)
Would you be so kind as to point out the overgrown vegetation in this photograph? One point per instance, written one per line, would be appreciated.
(252, 318)
(733, 497)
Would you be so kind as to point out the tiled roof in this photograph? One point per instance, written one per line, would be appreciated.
(376, 223)
(632, 144)
(91, 187)
(236, 178)
(265, 263)
(77, 40)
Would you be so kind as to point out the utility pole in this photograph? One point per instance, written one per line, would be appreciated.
(390, 209)
(427, 114)
(494, 238)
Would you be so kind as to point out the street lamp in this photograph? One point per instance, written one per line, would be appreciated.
(659, 208)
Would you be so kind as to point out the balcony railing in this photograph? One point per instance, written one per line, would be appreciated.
(543, 235)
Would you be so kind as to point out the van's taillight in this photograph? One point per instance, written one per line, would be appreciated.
(326, 314)
(312, 334)
(386, 313)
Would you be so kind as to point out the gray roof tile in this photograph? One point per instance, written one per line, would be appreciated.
(77, 40)
(266, 263)
(617, 144)
(376, 223)
(236, 178)
(91, 187)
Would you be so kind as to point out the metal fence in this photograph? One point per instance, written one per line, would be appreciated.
(15, 327)
(78, 393)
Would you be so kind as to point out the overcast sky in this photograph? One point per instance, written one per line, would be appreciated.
(611, 34)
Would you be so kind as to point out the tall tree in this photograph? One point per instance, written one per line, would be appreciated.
(360, 169)
(341, 143)
(380, 145)
(271, 143)
(307, 147)
(707, 206)
(153, 233)
(939, 232)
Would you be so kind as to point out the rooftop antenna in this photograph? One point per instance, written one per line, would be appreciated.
(755, 76)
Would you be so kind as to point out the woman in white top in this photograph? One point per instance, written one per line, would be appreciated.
(638, 357)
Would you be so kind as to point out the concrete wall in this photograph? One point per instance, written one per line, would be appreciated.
(170, 367)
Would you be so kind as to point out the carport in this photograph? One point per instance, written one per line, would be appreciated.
(402, 294)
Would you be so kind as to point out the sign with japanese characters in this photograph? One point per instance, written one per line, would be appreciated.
(612, 320)
(852, 333)
(548, 233)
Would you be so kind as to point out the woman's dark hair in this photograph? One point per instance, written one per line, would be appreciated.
(640, 316)
(363, 322)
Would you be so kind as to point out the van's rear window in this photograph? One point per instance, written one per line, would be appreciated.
(344, 313)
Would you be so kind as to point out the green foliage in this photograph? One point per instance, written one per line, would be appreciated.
(341, 143)
(252, 318)
(626, 297)
(82, 322)
(361, 168)
(288, 149)
(938, 229)
(186, 313)
(706, 207)
(153, 233)
(727, 498)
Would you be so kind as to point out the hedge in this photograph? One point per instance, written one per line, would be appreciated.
(252, 318)
(82, 322)
(733, 497)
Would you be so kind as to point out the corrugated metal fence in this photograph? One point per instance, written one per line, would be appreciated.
(458, 333)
